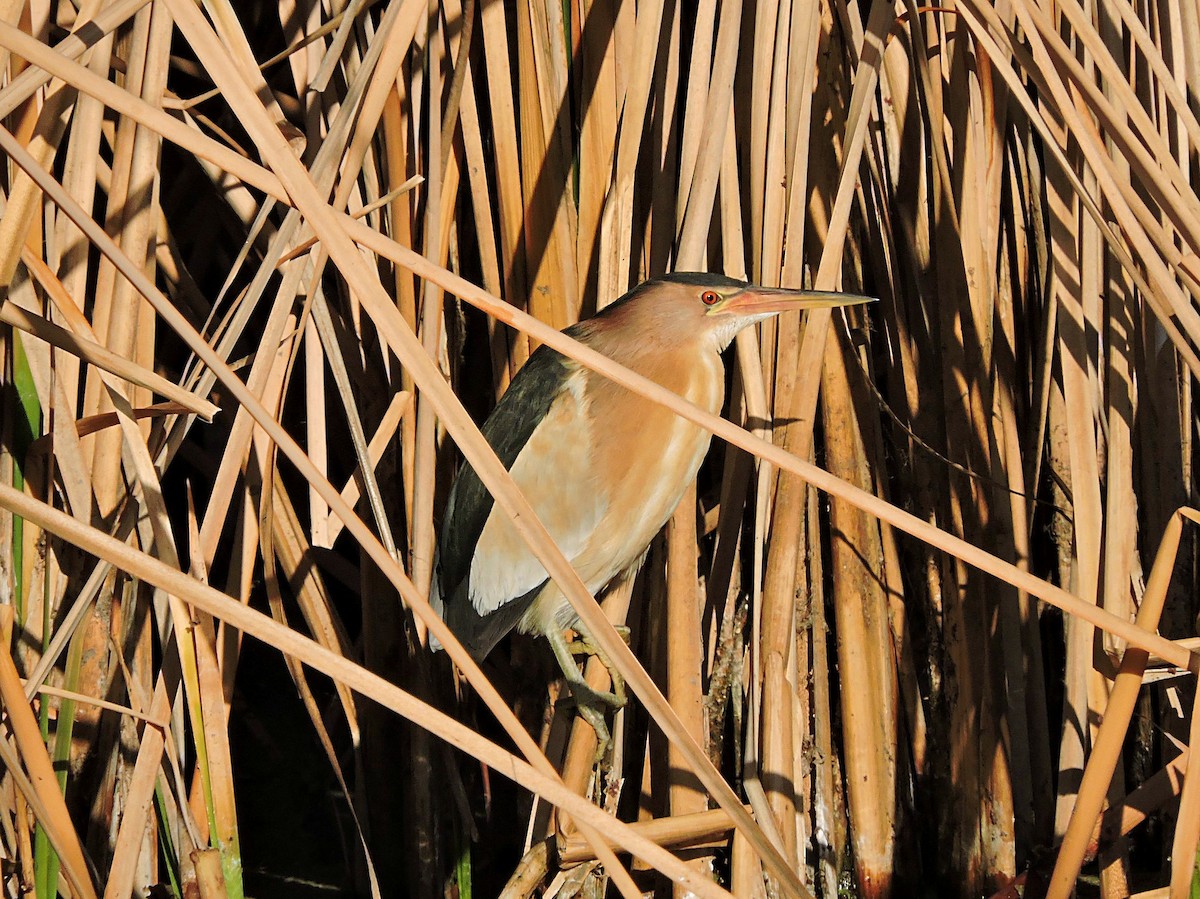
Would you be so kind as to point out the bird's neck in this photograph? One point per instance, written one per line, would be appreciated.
(693, 370)
(641, 346)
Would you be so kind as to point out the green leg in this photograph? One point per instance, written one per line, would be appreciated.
(585, 645)
(592, 704)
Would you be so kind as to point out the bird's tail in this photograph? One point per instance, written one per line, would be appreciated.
(438, 604)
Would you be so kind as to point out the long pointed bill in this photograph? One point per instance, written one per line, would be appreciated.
(766, 300)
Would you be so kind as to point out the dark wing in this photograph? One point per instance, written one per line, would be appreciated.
(507, 429)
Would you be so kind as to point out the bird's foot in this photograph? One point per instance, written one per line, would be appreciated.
(583, 645)
(586, 695)
(618, 688)
(591, 703)
(593, 706)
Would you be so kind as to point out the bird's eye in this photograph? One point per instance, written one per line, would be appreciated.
(710, 298)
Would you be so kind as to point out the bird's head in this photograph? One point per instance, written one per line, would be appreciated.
(685, 307)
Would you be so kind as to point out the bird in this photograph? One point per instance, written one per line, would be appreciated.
(603, 467)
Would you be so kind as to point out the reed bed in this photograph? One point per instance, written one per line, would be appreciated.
(927, 623)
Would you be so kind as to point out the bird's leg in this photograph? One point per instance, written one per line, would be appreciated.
(590, 702)
(587, 645)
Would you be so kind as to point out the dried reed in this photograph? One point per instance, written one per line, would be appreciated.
(359, 218)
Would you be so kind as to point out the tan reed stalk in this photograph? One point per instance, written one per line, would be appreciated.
(829, 816)
(701, 191)
(979, 772)
(400, 225)
(866, 659)
(684, 659)
(1187, 826)
(1081, 450)
(102, 703)
(616, 223)
(130, 195)
(100, 356)
(317, 428)
(425, 448)
(1032, 796)
(552, 293)
(195, 655)
(696, 109)
(216, 778)
(506, 153)
(597, 23)
(693, 829)
(1120, 537)
(763, 102)
(1114, 879)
